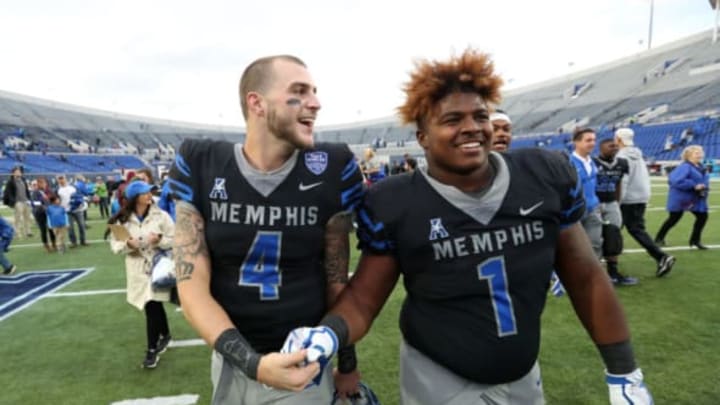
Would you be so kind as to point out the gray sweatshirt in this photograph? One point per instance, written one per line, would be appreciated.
(636, 185)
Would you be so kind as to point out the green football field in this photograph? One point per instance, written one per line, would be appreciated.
(86, 348)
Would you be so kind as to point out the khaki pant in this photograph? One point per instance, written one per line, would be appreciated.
(22, 219)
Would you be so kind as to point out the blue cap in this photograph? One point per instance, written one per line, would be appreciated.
(136, 188)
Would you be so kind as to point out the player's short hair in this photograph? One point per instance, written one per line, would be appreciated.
(578, 134)
(431, 81)
(258, 75)
(690, 149)
(606, 140)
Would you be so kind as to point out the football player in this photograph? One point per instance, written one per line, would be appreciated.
(502, 131)
(610, 170)
(262, 241)
(476, 255)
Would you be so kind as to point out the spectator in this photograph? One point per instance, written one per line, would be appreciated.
(40, 196)
(17, 196)
(502, 131)
(584, 140)
(6, 237)
(72, 201)
(634, 196)
(372, 168)
(689, 186)
(101, 192)
(150, 232)
(58, 222)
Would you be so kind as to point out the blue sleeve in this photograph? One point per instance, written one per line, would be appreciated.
(372, 233)
(679, 179)
(351, 183)
(573, 201)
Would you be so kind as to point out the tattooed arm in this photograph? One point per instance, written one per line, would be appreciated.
(337, 254)
(337, 257)
(192, 265)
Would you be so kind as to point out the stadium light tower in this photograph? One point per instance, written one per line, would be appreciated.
(650, 27)
(716, 5)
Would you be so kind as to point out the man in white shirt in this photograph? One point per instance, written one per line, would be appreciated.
(65, 192)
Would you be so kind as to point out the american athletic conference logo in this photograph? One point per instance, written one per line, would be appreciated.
(437, 230)
(218, 191)
(316, 161)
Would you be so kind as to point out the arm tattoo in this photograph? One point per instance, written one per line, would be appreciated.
(337, 247)
(189, 240)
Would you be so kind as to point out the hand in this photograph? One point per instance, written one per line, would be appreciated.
(153, 238)
(283, 371)
(626, 389)
(320, 344)
(133, 243)
(346, 385)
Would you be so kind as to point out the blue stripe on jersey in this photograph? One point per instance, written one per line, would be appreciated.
(577, 190)
(180, 190)
(181, 165)
(579, 204)
(350, 195)
(349, 170)
(365, 218)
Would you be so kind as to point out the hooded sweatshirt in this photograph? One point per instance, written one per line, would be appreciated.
(636, 185)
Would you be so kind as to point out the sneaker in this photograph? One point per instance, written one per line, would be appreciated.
(163, 343)
(665, 265)
(620, 279)
(151, 359)
(10, 271)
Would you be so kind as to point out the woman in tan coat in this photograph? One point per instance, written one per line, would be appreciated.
(149, 231)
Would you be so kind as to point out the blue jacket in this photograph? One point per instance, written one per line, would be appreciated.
(589, 182)
(682, 195)
(56, 216)
(6, 234)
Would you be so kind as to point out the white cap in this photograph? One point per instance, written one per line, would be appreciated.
(626, 135)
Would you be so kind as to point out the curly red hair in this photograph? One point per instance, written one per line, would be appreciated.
(471, 72)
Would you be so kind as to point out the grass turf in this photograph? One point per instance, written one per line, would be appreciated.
(88, 350)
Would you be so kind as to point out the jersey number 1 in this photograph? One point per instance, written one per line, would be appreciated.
(261, 267)
(493, 270)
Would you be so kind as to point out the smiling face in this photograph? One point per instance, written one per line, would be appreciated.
(291, 104)
(457, 136)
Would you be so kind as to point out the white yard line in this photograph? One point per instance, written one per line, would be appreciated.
(85, 293)
(183, 399)
(187, 343)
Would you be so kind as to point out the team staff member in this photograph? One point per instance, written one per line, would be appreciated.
(476, 255)
(262, 239)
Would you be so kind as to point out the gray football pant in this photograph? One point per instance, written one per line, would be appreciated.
(232, 387)
(592, 223)
(424, 382)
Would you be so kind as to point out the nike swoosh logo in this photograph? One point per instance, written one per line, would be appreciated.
(306, 187)
(526, 211)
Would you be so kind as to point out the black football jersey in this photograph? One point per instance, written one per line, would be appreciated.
(265, 232)
(476, 268)
(609, 175)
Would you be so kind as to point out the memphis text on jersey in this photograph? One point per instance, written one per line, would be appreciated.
(261, 215)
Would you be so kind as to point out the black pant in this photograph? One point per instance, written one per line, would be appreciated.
(633, 216)
(104, 212)
(41, 220)
(156, 322)
(674, 217)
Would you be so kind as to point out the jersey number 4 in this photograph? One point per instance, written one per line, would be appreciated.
(493, 270)
(261, 267)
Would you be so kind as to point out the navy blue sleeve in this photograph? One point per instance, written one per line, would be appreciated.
(372, 232)
(351, 183)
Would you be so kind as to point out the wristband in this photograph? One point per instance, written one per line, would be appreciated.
(618, 357)
(347, 360)
(233, 346)
(339, 326)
